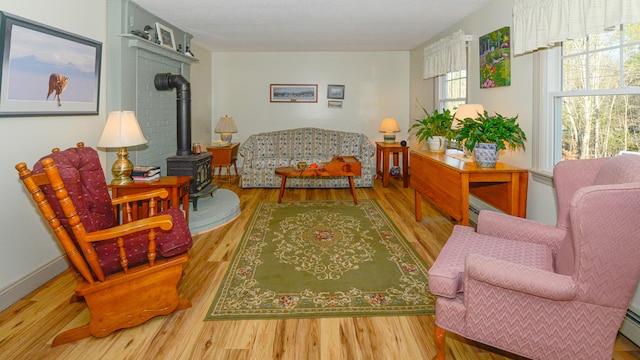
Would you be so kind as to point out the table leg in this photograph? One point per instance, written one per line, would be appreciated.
(464, 202)
(284, 182)
(405, 167)
(418, 206)
(228, 173)
(378, 172)
(185, 204)
(353, 190)
(385, 169)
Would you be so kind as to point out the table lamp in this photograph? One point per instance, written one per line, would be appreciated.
(389, 126)
(226, 127)
(465, 111)
(122, 130)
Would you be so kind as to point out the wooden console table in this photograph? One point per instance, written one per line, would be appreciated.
(447, 181)
(177, 186)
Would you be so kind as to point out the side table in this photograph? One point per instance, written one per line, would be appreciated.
(383, 150)
(177, 186)
(224, 156)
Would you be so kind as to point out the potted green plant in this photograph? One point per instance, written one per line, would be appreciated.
(435, 128)
(488, 134)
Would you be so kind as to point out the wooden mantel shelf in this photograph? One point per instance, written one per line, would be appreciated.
(138, 42)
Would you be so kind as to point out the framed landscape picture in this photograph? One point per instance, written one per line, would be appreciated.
(335, 92)
(495, 58)
(290, 93)
(47, 71)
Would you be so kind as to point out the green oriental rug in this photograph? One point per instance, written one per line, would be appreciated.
(307, 259)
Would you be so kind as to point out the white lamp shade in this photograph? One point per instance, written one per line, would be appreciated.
(226, 125)
(467, 111)
(122, 130)
(389, 125)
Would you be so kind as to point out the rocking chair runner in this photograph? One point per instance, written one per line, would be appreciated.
(128, 273)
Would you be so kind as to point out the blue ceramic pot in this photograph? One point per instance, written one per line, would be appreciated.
(485, 155)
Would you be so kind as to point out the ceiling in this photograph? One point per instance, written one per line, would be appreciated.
(311, 25)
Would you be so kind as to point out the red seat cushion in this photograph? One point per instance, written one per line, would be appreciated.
(168, 243)
(84, 180)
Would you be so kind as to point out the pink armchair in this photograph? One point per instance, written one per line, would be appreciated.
(541, 291)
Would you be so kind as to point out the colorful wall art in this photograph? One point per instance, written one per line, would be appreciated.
(495, 58)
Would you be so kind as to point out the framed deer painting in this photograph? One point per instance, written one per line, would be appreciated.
(46, 71)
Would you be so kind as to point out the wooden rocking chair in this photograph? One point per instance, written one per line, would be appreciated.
(127, 273)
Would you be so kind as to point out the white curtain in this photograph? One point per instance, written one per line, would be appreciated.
(446, 55)
(539, 24)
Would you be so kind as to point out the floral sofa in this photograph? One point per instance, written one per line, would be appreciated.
(264, 152)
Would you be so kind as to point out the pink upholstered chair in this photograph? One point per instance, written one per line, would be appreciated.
(127, 273)
(541, 291)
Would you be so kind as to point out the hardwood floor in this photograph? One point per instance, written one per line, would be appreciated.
(27, 327)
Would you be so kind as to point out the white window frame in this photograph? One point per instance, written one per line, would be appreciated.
(547, 100)
(441, 91)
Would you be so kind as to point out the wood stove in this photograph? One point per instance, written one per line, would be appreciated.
(185, 162)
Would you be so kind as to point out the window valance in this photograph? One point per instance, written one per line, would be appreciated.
(446, 55)
(539, 24)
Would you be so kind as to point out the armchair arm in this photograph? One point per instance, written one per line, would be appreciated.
(160, 193)
(164, 222)
(520, 278)
(505, 226)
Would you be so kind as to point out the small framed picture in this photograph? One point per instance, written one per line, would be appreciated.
(334, 104)
(335, 91)
(292, 93)
(165, 36)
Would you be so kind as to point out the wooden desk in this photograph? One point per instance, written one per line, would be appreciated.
(177, 186)
(224, 156)
(383, 150)
(447, 181)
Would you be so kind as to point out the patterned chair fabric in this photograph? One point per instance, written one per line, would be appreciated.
(542, 291)
(84, 179)
(264, 152)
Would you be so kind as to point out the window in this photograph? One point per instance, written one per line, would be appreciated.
(593, 106)
(452, 90)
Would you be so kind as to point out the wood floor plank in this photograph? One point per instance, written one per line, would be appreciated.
(27, 327)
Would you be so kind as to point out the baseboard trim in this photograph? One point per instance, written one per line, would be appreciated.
(23, 287)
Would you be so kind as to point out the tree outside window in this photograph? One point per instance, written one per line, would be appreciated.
(600, 96)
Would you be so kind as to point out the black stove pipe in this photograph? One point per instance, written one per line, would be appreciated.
(168, 81)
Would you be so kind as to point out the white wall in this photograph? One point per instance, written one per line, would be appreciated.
(26, 244)
(200, 80)
(516, 99)
(376, 87)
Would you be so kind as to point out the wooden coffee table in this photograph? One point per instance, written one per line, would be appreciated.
(339, 166)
